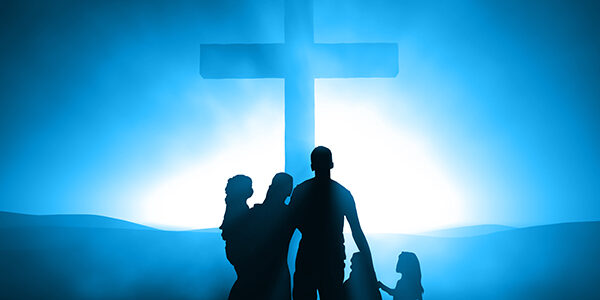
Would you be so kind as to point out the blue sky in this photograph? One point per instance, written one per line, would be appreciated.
(493, 117)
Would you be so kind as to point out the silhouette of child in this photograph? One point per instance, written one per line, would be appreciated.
(409, 286)
(362, 283)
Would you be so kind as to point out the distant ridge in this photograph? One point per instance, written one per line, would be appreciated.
(52, 257)
(208, 230)
(18, 220)
(468, 231)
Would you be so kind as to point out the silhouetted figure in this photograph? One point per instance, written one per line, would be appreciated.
(409, 286)
(319, 206)
(361, 285)
(238, 190)
(272, 232)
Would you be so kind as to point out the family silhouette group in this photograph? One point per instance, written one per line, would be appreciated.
(257, 241)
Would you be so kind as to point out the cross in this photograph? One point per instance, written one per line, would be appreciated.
(299, 60)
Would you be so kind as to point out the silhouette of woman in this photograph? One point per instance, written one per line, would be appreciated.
(238, 190)
(271, 232)
(257, 239)
(409, 286)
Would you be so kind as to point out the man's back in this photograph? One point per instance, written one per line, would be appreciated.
(319, 207)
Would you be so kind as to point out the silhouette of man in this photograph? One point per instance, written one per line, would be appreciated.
(319, 206)
(272, 232)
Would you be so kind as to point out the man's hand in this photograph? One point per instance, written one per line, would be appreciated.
(357, 233)
(359, 237)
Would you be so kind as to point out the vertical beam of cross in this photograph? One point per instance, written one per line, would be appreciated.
(299, 89)
(299, 61)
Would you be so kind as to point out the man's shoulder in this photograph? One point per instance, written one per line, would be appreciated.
(305, 185)
(256, 208)
(312, 183)
(341, 188)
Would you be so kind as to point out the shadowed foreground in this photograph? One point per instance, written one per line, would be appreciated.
(51, 260)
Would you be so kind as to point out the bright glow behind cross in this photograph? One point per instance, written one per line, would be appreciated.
(299, 60)
(400, 181)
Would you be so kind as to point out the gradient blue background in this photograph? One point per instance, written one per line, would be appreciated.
(98, 96)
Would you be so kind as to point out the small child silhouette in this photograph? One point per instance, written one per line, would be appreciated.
(362, 284)
(409, 286)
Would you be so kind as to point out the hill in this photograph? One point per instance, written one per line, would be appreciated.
(9, 219)
(558, 261)
(467, 231)
(546, 262)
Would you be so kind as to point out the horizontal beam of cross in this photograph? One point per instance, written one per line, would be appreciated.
(218, 61)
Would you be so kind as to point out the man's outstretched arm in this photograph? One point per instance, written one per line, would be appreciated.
(357, 233)
(359, 238)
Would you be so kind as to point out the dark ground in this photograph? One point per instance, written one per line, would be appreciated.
(59, 260)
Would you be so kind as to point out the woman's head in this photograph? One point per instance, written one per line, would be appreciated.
(281, 187)
(239, 187)
(283, 182)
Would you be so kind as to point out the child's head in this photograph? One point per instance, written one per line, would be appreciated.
(239, 187)
(408, 265)
(357, 262)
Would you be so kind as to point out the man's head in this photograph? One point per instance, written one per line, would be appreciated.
(320, 159)
(239, 187)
